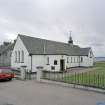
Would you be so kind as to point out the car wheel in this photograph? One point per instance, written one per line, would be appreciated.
(9, 79)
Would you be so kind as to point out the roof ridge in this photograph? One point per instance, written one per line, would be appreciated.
(42, 39)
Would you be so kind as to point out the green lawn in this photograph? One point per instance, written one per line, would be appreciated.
(95, 78)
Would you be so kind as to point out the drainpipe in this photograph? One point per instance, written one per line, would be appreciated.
(31, 63)
(31, 66)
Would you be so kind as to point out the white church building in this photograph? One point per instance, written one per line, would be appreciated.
(51, 55)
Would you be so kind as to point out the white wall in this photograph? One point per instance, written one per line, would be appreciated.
(68, 64)
(37, 60)
(88, 60)
(19, 46)
(73, 61)
(41, 60)
(51, 62)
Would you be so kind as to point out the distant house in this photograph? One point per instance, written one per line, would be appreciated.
(5, 54)
(53, 56)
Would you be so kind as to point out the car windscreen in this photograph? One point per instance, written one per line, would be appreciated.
(5, 71)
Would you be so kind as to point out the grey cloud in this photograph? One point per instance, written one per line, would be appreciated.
(97, 44)
(53, 19)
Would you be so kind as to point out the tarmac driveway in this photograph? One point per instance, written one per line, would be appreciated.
(33, 93)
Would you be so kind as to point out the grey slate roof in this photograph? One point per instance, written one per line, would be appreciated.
(42, 46)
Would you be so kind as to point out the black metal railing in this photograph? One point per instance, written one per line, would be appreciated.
(89, 79)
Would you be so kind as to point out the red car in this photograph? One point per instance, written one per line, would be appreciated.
(6, 74)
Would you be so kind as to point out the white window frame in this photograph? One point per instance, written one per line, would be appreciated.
(22, 56)
(16, 56)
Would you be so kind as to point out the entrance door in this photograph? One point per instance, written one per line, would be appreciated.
(62, 64)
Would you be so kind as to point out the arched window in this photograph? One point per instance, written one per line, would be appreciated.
(18, 56)
(22, 56)
(15, 56)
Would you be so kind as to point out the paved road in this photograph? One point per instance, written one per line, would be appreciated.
(34, 93)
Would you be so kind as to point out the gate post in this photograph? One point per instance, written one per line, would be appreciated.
(23, 72)
(39, 73)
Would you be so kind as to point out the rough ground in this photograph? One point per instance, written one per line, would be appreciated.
(33, 93)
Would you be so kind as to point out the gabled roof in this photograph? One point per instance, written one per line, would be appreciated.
(42, 46)
(85, 51)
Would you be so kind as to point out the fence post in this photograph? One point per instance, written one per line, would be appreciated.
(75, 80)
(23, 72)
(39, 73)
(98, 80)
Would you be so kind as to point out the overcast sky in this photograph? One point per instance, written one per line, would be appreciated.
(53, 19)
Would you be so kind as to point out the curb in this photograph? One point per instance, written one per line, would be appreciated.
(73, 86)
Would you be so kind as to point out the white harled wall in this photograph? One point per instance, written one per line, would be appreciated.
(37, 60)
(73, 61)
(51, 62)
(41, 60)
(19, 46)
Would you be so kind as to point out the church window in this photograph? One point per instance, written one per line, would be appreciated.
(15, 56)
(22, 56)
(67, 59)
(81, 59)
(47, 60)
(55, 62)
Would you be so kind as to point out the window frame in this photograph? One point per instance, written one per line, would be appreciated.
(67, 59)
(71, 60)
(15, 56)
(48, 61)
(55, 62)
(81, 59)
(22, 56)
(19, 57)
(91, 54)
(74, 59)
